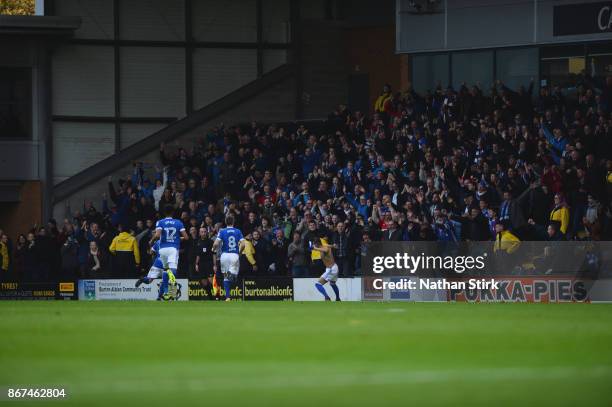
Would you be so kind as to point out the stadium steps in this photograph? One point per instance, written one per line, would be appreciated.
(174, 130)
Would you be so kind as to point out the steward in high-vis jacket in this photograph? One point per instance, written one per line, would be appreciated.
(124, 248)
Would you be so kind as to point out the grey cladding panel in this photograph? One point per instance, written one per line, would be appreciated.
(77, 146)
(96, 16)
(82, 80)
(226, 21)
(217, 72)
(491, 25)
(152, 82)
(273, 58)
(133, 132)
(161, 20)
(421, 31)
(275, 16)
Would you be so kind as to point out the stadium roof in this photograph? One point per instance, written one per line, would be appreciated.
(38, 25)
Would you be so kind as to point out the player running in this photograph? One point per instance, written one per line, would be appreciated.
(156, 270)
(169, 232)
(331, 270)
(230, 242)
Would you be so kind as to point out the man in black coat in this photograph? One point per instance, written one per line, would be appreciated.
(278, 248)
(393, 234)
(539, 201)
(340, 242)
(477, 226)
(47, 252)
(262, 253)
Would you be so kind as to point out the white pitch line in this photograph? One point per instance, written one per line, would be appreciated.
(324, 379)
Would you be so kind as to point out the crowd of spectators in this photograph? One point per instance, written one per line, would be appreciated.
(467, 164)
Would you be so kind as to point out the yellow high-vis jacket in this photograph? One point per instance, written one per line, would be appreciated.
(124, 244)
(561, 215)
(506, 242)
(249, 252)
(379, 104)
(4, 254)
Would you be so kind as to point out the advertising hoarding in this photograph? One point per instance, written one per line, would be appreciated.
(123, 289)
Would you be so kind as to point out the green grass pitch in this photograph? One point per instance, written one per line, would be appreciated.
(309, 354)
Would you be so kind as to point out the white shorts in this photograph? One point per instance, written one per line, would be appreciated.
(169, 257)
(230, 263)
(331, 273)
(155, 272)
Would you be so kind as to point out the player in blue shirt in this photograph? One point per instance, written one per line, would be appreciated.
(169, 232)
(229, 243)
(156, 270)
